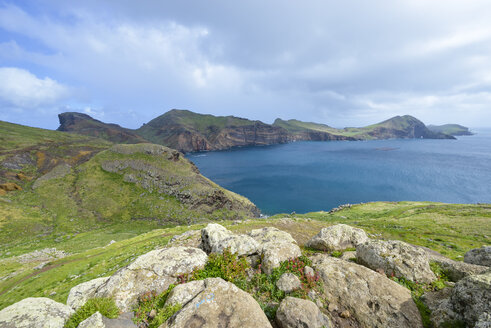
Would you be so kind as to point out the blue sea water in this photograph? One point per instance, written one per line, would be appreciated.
(313, 176)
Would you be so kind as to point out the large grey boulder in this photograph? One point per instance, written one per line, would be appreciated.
(439, 304)
(456, 270)
(83, 292)
(215, 238)
(274, 246)
(479, 256)
(217, 303)
(373, 299)
(288, 282)
(295, 312)
(337, 237)
(155, 270)
(471, 297)
(484, 321)
(35, 312)
(396, 257)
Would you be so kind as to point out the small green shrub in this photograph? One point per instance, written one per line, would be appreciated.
(105, 306)
(152, 301)
(336, 254)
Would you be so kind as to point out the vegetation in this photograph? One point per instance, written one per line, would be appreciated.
(152, 301)
(451, 129)
(105, 306)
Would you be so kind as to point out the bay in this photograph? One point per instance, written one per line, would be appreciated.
(312, 176)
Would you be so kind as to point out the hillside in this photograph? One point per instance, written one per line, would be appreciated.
(397, 127)
(451, 129)
(84, 124)
(56, 185)
(188, 131)
(449, 229)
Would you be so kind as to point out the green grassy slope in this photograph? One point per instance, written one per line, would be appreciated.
(449, 229)
(451, 129)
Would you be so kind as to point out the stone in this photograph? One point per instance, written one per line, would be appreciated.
(10, 186)
(288, 282)
(456, 270)
(396, 258)
(308, 271)
(471, 297)
(94, 321)
(275, 246)
(182, 294)
(439, 304)
(337, 238)
(155, 271)
(35, 312)
(295, 312)
(371, 298)
(215, 238)
(348, 256)
(345, 314)
(218, 304)
(83, 292)
(484, 321)
(479, 256)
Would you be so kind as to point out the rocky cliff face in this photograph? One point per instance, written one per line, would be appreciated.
(84, 124)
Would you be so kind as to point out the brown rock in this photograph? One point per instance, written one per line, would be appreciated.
(10, 186)
(345, 314)
(21, 176)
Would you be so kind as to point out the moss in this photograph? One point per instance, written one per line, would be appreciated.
(105, 306)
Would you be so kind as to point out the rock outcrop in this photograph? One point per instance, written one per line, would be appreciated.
(155, 270)
(295, 312)
(337, 237)
(479, 256)
(35, 312)
(373, 299)
(83, 292)
(396, 258)
(275, 246)
(216, 303)
(455, 270)
(216, 238)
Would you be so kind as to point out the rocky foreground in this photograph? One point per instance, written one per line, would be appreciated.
(215, 278)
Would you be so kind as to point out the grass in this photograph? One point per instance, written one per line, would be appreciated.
(152, 301)
(105, 306)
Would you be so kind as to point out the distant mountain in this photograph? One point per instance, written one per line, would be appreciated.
(84, 124)
(397, 127)
(451, 129)
(188, 131)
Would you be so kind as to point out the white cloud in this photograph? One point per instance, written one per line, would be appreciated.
(22, 89)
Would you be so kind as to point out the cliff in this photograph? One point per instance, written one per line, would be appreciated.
(84, 124)
(451, 129)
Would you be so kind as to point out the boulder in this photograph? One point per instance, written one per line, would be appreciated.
(217, 304)
(35, 312)
(347, 256)
(182, 294)
(97, 320)
(471, 297)
(396, 257)
(439, 304)
(215, 238)
(479, 256)
(288, 282)
(484, 321)
(155, 271)
(83, 292)
(275, 246)
(295, 312)
(373, 299)
(337, 237)
(456, 270)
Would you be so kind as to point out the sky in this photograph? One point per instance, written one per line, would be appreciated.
(342, 63)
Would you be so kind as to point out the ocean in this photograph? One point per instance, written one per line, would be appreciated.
(312, 176)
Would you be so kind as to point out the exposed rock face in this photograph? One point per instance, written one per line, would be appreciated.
(275, 246)
(217, 303)
(439, 304)
(215, 239)
(484, 321)
(295, 312)
(337, 237)
(83, 292)
(84, 124)
(479, 256)
(373, 299)
(57, 172)
(396, 257)
(35, 312)
(94, 321)
(155, 270)
(471, 297)
(456, 270)
(288, 282)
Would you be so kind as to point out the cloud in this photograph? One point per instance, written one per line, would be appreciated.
(22, 89)
(341, 63)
